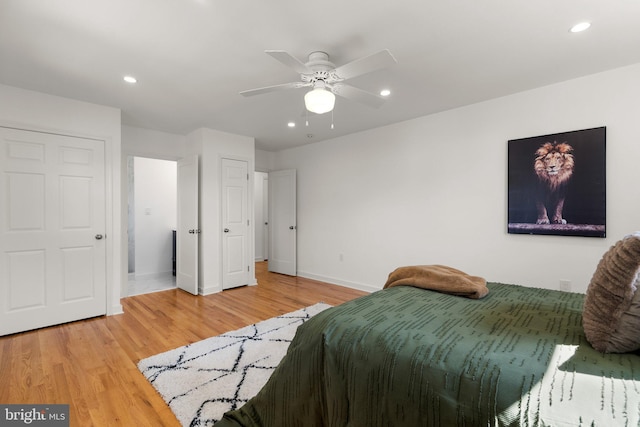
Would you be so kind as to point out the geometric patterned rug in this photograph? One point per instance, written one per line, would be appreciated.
(203, 380)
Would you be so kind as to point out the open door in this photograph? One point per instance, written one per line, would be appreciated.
(282, 222)
(188, 229)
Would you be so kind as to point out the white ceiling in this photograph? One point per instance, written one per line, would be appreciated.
(193, 57)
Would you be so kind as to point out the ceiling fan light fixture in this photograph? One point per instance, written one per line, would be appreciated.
(319, 100)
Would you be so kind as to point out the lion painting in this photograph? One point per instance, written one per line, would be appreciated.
(554, 167)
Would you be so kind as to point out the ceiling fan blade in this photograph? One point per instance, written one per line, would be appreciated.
(358, 95)
(284, 86)
(289, 60)
(370, 63)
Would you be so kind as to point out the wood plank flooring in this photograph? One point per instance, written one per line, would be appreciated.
(92, 364)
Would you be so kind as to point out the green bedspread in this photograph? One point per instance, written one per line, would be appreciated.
(410, 357)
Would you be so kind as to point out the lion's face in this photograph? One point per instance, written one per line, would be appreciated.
(554, 163)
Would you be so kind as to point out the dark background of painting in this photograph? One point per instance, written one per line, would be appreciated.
(586, 193)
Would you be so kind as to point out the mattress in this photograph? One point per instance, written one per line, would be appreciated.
(411, 357)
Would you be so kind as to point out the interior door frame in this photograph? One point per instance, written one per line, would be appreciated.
(265, 216)
(60, 259)
(115, 273)
(251, 239)
(261, 223)
(124, 288)
(227, 281)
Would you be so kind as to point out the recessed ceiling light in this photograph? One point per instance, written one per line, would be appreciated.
(580, 27)
(385, 92)
(130, 79)
(291, 124)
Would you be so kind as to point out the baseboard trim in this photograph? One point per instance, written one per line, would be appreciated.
(116, 309)
(147, 276)
(339, 282)
(209, 290)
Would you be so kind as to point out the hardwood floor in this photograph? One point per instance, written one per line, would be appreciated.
(91, 364)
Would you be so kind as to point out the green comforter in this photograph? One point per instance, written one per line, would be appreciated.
(410, 357)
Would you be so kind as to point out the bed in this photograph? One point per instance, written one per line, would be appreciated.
(406, 356)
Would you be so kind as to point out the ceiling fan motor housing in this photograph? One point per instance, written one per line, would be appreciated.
(322, 69)
(319, 61)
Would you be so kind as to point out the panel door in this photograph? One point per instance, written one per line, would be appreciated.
(235, 223)
(188, 229)
(52, 225)
(282, 222)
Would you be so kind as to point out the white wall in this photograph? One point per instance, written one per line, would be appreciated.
(38, 111)
(155, 183)
(152, 143)
(434, 190)
(265, 160)
(212, 146)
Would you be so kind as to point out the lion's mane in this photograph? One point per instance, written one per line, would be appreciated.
(560, 153)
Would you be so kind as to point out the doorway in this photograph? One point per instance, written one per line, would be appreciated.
(261, 215)
(152, 207)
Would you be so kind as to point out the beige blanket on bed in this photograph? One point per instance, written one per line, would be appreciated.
(439, 278)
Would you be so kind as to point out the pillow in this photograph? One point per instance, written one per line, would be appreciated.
(611, 314)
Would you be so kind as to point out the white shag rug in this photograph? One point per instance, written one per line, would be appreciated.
(203, 380)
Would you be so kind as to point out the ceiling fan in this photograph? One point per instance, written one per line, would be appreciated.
(326, 80)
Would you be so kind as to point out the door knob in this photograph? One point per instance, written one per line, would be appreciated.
(192, 231)
(292, 227)
(226, 230)
(98, 236)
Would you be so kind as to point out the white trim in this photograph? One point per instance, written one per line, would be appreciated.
(251, 238)
(54, 131)
(112, 281)
(146, 276)
(209, 290)
(339, 282)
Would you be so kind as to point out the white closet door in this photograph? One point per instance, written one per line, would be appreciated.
(52, 225)
(235, 223)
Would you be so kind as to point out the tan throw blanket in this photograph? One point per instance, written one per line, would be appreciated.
(439, 278)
